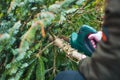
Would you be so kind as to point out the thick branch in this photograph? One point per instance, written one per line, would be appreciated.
(67, 48)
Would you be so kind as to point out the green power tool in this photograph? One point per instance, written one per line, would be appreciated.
(81, 42)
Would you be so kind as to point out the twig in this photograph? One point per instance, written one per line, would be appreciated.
(54, 63)
(41, 51)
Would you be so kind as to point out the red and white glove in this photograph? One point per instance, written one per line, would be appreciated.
(95, 37)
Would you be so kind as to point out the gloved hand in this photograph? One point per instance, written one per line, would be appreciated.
(95, 37)
(81, 42)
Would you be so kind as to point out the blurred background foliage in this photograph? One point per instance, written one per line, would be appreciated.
(25, 25)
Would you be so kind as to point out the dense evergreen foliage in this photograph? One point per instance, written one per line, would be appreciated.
(25, 25)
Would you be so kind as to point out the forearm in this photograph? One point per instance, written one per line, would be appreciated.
(105, 62)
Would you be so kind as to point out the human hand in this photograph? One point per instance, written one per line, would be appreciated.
(95, 37)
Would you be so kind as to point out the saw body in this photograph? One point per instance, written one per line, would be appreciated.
(81, 42)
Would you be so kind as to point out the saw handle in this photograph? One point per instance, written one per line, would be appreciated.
(89, 45)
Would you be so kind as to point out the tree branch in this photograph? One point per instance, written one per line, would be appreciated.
(67, 48)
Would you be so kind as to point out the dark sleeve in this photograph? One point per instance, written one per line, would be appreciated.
(105, 61)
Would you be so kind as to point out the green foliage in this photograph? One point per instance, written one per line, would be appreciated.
(25, 25)
(40, 71)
